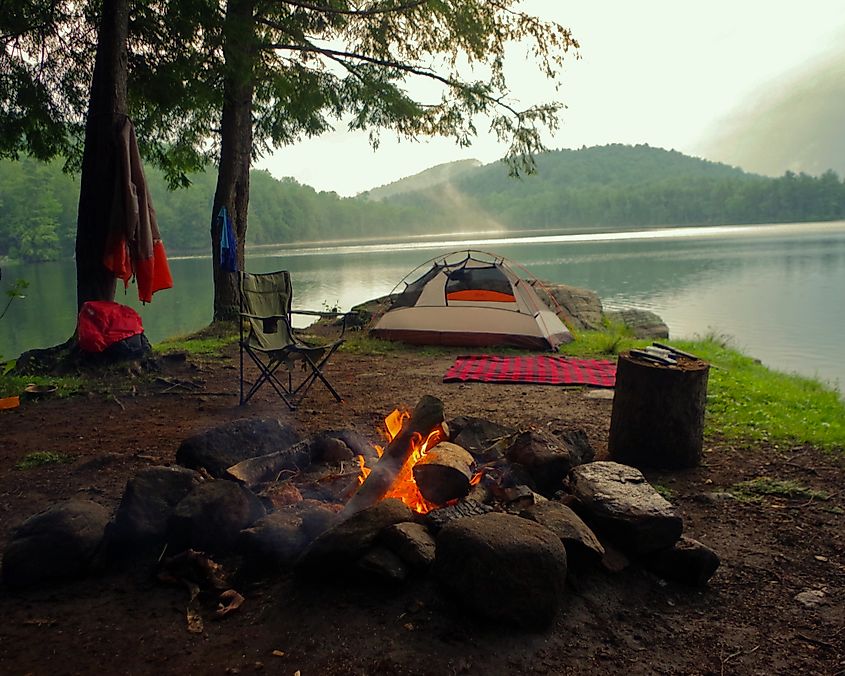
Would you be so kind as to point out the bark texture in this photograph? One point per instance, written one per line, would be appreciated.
(235, 148)
(658, 413)
(106, 108)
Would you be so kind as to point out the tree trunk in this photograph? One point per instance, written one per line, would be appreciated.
(658, 413)
(232, 191)
(106, 108)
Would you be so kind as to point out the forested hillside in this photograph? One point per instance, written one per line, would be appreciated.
(622, 186)
(612, 186)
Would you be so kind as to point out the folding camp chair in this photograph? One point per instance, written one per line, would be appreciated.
(268, 338)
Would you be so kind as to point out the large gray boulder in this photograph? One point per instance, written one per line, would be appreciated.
(147, 502)
(642, 323)
(581, 308)
(219, 448)
(619, 501)
(211, 517)
(59, 543)
(582, 547)
(502, 568)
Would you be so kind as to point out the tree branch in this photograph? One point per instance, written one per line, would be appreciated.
(355, 12)
(339, 55)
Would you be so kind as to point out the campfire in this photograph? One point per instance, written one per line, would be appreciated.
(434, 473)
(472, 503)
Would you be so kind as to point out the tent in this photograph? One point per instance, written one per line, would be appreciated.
(477, 301)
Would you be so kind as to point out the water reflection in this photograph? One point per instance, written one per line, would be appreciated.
(776, 289)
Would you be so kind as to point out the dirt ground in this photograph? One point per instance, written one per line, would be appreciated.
(747, 621)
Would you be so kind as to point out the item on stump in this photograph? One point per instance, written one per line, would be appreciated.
(658, 411)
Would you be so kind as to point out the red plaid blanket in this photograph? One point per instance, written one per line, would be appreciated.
(539, 369)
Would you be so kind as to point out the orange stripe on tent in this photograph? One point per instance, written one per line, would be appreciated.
(481, 295)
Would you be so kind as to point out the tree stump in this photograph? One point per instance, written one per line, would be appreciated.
(658, 412)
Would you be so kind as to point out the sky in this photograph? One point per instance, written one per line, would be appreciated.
(667, 73)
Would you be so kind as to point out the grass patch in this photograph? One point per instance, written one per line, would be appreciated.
(664, 491)
(210, 341)
(42, 458)
(754, 489)
(11, 385)
(746, 401)
(614, 339)
(360, 342)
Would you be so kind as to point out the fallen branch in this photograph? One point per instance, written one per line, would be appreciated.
(725, 660)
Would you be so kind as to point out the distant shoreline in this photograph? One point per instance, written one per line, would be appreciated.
(459, 241)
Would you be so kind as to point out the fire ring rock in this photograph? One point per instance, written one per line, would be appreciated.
(350, 539)
(211, 517)
(503, 567)
(619, 501)
(221, 447)
(147, 502)
(582, 547)
(58, 543)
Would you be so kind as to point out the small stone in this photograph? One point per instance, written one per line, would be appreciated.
(811, 598)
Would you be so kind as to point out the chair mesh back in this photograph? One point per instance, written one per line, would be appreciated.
(266, 298)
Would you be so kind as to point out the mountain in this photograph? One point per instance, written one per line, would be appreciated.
(612, 185)
(436, 175)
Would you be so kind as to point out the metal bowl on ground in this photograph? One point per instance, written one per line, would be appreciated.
(34, 391)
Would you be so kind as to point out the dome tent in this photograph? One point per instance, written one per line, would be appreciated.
(476, 301)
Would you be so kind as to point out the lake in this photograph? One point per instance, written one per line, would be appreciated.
(775, 290)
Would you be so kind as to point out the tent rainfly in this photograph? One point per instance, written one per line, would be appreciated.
(473, 303)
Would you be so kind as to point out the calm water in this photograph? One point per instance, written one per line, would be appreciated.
(777, 290)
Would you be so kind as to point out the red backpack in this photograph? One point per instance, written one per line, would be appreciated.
(102, 323)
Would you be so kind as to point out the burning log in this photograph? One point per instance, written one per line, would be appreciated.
(426, 417)
(444, 473)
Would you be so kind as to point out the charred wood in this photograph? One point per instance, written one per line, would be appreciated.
(444, 473)
(427, 416)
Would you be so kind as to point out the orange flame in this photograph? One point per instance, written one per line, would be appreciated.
(404, 487)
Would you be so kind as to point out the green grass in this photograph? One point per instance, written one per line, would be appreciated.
(360, 342)
(208, 342)
(746, 401)
(42, 458)
(754, 489)
(11, 385)
(615, 339)
(664, 491)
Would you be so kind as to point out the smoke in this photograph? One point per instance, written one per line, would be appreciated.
(796, 123)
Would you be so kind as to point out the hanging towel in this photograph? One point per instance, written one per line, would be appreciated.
(134, 245)
(228, 243)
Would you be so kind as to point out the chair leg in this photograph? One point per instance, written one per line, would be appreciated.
(316, 373)
(267, 374)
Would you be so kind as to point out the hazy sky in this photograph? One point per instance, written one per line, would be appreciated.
(660, 72)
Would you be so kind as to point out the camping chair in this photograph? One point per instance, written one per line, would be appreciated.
(267, 336)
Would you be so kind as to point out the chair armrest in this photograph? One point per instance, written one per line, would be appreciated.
(321, 313)
(247, 315)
